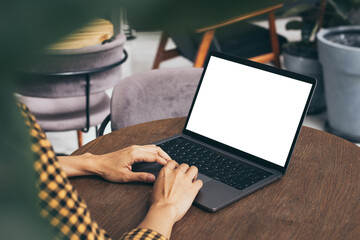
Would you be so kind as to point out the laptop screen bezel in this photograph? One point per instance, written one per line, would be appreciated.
(237, 152)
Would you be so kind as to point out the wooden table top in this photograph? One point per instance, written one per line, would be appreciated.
(318, 198)
(95, 32)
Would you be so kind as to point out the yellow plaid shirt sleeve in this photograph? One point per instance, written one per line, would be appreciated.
(59, 202)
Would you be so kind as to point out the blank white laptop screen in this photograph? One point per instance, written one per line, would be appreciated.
(249, 109)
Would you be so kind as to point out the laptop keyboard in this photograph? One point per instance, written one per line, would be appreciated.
(214, 165)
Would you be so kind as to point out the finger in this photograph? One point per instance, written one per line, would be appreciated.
(192, 172)
(198, 184)
(146, 156)
(184, 167)
(159, 151)
(171, 164)
(160, 159)
(163, 154)
(140, 177)
(160, 156)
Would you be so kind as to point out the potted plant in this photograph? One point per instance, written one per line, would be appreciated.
(302, 56)
(339, 54)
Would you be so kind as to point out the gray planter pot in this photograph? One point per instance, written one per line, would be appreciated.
(302, 58)
(339, 54)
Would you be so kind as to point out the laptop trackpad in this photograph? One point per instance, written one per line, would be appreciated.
(215, 195)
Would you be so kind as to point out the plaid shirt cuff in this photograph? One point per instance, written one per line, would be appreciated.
(143, 234)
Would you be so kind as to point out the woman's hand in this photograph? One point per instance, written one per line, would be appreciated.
(174, 191)
(176, 188)
(115, 166)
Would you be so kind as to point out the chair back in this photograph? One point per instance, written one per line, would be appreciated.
(153, 95)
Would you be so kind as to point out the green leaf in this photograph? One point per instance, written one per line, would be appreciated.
(342, 8)
(294, 25)
(298, 9)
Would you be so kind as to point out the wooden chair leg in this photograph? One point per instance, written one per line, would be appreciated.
(80, 138)
(204, 48)
(274, 39)
(160, 51)
(265, 58)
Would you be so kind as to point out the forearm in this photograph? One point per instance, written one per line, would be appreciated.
(160, 219)
(80, 165)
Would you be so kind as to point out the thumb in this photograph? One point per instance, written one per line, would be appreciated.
(140, 177)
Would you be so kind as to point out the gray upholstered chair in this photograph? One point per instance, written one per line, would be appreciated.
(65, 89)
(152, 95)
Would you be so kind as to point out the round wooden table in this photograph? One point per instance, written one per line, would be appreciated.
(318, 198)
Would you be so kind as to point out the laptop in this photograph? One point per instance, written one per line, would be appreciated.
(241, 129)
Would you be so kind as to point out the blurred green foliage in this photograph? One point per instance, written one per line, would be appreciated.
(25, 28)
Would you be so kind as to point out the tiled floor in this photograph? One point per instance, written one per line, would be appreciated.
(141, 55)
